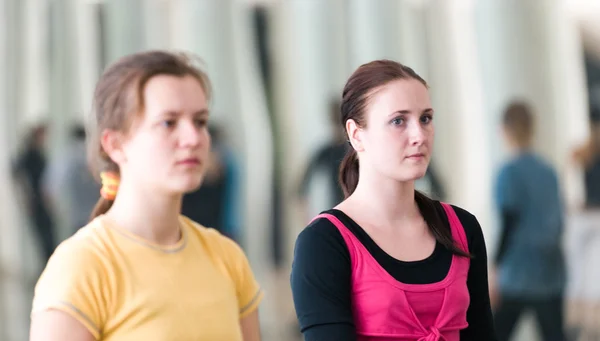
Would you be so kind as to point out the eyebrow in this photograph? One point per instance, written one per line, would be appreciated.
(172, 113)
(406, 112)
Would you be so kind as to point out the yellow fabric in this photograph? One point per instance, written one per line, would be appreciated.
(124, 288)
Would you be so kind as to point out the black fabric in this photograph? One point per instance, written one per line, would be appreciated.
(509, 221)
(321, 277)
(206, 205)
(592, 184)
(548, 313)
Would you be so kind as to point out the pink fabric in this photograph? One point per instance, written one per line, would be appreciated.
(388, 310)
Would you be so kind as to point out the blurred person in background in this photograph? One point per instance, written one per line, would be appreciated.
(29, 171)
(327, 159)
(216, 203)
(70, 184)
(388, 262)
(140, 270)
(529, 265)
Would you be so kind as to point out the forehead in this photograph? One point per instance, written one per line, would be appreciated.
(404, 94)
(173, 93)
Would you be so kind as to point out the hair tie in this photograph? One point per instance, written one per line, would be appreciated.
(110, 185)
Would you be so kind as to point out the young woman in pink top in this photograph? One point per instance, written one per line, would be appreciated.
(388, 263)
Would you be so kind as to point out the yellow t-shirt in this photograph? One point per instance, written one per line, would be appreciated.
(122, 287)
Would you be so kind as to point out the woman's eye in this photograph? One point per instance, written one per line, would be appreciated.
(200, 122)
(168, 123)
(426, 119)
(398, 121)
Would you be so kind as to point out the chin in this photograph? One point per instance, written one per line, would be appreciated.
(189, 185)
(412, 174)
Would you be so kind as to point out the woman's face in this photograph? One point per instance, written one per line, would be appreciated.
(167, 147)
(398, 138)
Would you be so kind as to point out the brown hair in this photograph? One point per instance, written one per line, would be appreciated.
(518, 122)
(358, 91)
(118, 98)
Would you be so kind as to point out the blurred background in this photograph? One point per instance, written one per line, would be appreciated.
(278, 68)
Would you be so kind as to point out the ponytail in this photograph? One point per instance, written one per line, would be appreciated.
(102, 206)
(348, 175)
(108, 193)
(434, 221)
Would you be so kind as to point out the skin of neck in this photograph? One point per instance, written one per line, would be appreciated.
(151, 215)
(392, 201)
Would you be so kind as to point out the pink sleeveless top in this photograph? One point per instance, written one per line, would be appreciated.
(387, 310)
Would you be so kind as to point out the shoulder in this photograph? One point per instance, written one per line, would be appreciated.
(470, 224)
(507, 170)
(228, 254)
(88, 247)
(76, 279)
(321, 237)
(218, 243)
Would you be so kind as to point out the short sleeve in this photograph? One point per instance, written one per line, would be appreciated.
(507, 190)
(73, 282)
(249, 293)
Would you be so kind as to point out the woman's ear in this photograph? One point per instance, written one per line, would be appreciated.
(354, 135)
(112, 144)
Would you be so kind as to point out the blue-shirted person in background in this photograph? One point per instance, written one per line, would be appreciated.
(530, 266)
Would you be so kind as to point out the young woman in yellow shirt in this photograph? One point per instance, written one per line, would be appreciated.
(139, 270)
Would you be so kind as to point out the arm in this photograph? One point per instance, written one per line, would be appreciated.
(250, 327)
(320, 282)
(54, 325)
(71, 296)
(508, 220)
(479, 314)
(248, 291)
(507, 204)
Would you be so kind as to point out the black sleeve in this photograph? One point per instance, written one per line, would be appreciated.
(508, 221)
(320, 282)
(479, 314)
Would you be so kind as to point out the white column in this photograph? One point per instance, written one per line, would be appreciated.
(461, 146)
(412, 36)
(13, 291)
(373, 30)
(124, 28)
(157, 24)
(87, 52)
(36, 62)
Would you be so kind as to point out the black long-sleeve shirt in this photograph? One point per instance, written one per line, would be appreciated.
(321, 277)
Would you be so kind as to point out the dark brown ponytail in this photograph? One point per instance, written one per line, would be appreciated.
(102, 206)
(348, 176)
(430, 212)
